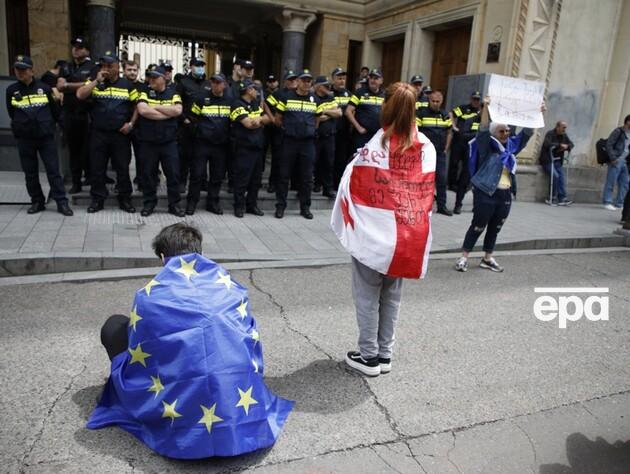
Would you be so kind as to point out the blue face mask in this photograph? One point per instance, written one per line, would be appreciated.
(199, 70)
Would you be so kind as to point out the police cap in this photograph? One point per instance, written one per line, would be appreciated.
(290, 74)
(427, 90)
(167, 66)
(417, 79)
(23, 62)
(271, 78)
(108, 58)
(245, 84)
(218, 78)
(475, 95)
(158, 71)
(79, 42)
(375, 73)
(338, 72)
(321, 81)
(197, 62)
(247, 64)
(305, 74)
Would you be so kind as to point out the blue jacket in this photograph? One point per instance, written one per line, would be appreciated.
(487, 166)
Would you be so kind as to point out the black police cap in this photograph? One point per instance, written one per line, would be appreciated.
(108, 58)
(417, 79)
(245, 84)
(290, 74)
(338, 72)
(23, 62)
(79, 42)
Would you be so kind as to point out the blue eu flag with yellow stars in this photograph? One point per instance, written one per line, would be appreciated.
(191, 383)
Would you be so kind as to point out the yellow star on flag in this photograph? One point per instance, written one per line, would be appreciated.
(157, 386)
(138, 356)
(209, 417)
(242, 309)
(169, 411)
(134, 317)
(188, 268)
(246, 399)
(225, 280)
(255, 335)
(150, 285)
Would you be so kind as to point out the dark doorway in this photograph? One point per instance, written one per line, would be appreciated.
(450, 55)
(17, 29)
(391, 60)
(355, 50)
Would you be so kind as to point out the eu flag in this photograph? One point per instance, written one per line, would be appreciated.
(191, 383)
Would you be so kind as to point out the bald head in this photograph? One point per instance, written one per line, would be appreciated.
(561, 127)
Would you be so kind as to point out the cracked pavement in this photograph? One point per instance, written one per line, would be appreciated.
(478, 383)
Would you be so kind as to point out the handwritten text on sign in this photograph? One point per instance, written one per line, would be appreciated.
(516, 101)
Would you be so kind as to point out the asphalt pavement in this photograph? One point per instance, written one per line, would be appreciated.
(479, 384)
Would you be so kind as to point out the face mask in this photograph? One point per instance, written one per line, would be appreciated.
(199, 70)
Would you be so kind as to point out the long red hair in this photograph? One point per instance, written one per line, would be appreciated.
(398, 115)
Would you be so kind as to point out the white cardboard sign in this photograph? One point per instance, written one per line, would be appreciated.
(515, 101)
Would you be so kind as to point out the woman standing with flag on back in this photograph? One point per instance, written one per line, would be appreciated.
(382, 216)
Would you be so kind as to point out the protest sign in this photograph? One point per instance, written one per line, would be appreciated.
(516, 101)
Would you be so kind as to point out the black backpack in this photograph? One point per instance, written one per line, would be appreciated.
(600, 151)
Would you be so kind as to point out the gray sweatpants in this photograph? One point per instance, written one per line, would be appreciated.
(377, 300)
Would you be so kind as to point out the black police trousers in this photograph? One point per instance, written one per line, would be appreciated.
(459, 159)
(325, 161)
(114, 335)
(247, 176)
(154, 154)
(47, 149)
(359, 141)
(300, 153)
(342, 155)
(440, 178)
(76, 133)
(103, 146)
(205, 152)
(185, 139)
(274, 139)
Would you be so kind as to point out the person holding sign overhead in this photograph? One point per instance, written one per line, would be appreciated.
(492, 166)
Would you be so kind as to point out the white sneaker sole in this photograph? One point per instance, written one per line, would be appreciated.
(386, 368)
(369, 371)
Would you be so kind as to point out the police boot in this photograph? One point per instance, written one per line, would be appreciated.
(306, 213)
(36, 207)
(125, 205)
(254, 210)
(176, 210)
(238, 212)
(75, 189)
(190, 208)
(214, 208)
(63, 208)
(95, 206)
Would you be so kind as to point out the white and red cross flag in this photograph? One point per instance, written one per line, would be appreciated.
(382, 214)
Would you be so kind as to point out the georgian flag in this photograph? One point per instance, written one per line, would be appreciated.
(382, 214)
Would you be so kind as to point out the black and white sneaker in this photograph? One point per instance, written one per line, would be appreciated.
(386, 365)
(462, 264)
(491, 265)
(370, 367)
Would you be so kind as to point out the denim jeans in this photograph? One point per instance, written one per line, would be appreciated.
(559, 191)
(617, 173)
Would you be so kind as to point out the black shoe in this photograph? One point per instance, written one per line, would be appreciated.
(204, 186)
(238, 212)
(445, 211)
(330, 193)
(214, 209)
(457, 209)
(147, 211)
(176, 211)
(126, 206)
(279, 213)
(317, 188)
(63, 208)
(271, 189)
(369, 367)
(255, 210)
(109, 180)
(306, 213)
(95, 206)
(190, 208)
(75, 189)
(36, 207)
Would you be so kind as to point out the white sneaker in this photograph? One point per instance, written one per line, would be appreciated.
(610, 207)
(462, 264)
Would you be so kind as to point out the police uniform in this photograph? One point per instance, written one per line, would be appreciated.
(368, 106)
(436, 125)
(467, 119)
(298, 146)
(210, 144)
(325, 145)
(248, 149)
(75, 120)
(34, 114)
(342, 132)
(158, 145)
(111, 106)
(189, 88)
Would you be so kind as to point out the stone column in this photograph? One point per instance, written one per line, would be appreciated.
(294, 24)
(101, 15)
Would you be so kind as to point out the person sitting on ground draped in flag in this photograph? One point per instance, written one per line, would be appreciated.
(186, 366)
(382, 216)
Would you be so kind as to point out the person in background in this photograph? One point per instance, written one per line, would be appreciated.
(618, 149)
(51, 76)
(342, 135)
(364, 110)
(552, 152)
(325, 137)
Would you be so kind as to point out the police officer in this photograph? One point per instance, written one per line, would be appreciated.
(298, 116)
(112, 112)
(342, 135)
(190, 88)
(158, 107)
(75, 112)
(33, 113)
(436, 125)
(423, 98)
(211, 116)
(364, 110)
(248, 121)
(271, 102)
(130, 72)
(325, 137)
(465, 118)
